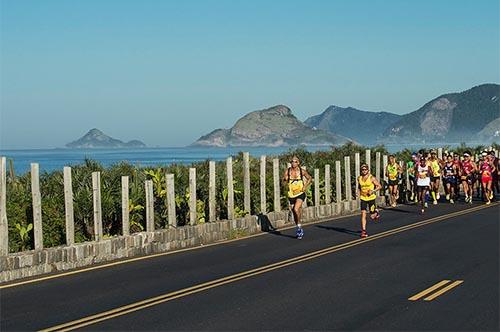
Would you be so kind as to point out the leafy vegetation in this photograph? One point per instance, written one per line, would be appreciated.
(19, 210)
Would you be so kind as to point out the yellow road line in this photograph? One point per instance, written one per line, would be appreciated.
(428, 290)
(444, 290)
(89, 320)
(130, 260)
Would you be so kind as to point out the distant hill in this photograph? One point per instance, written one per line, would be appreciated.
(349, 122)
(490, 133)
(97, 139)
(453, 117)
(275, 126)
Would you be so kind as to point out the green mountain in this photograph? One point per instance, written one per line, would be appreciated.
(97, 139)
(453, 117)
(275, 126)
(349, 122)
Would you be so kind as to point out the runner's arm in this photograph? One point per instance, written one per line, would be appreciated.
(377, 184)
(308, 177)
(285, 176)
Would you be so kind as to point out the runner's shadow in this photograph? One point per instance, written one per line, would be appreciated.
(281, 234)
(394, 209)
(266, 226)
(339, 229)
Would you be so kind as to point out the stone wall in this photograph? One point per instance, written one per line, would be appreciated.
(49, 260)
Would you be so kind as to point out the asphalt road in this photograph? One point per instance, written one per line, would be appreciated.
(330, 280)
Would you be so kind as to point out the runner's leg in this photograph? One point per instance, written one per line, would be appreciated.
(297, 208)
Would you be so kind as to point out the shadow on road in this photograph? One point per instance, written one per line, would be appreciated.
(340, 229)
(394, 209)
(266, 226)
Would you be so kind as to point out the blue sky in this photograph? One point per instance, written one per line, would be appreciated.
(167, 72)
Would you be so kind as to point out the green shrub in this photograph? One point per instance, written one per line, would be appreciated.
(19, 210)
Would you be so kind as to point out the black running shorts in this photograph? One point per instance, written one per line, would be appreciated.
(292, 200)
(450, 179)
(393, 182)
(369, 206)
(435, 178)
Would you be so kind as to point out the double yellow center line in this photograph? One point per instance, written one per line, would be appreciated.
(120, 311)
(433, 288)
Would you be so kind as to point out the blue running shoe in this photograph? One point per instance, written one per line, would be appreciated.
(300, 233)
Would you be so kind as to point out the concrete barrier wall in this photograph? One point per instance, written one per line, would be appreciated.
(63, 258)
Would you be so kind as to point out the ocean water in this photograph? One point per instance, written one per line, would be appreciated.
(53, 159)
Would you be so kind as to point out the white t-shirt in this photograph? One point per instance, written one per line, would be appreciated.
(423, 179)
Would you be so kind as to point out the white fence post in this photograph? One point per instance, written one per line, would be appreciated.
(150, 215)
(37, 206)
(348, 188)
(263, 203)
(377, 165)
(125, 207)
(193, 215)
(68, 206)
(316, 187)
(328, 198)
(96, 195)
(172, 214)
(338, 182)
(276, 185)
(4, 226)
(368, 159)
(230, 189)
(211, 191)
(384, 163)
(357, 165)
(246, 182)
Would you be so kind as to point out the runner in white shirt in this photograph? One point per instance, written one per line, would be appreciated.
(423, 171)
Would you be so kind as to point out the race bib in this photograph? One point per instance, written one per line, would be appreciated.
(365, 192)
(296, 187)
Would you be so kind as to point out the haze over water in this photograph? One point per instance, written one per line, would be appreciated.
(56, 159)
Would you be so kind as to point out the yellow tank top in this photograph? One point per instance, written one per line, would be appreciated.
(295, 185)
(365, 187)
(436, 170)
(393, 172)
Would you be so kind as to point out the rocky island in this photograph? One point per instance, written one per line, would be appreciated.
(96, 139)
(275, 126)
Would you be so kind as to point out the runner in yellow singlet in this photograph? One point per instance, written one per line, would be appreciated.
(298, 180)
(435, 164)
(367, 186)
(393, 172)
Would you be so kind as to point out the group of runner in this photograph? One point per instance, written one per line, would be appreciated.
(425, 172)
(455, 171)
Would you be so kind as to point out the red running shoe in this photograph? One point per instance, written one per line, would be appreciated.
(363, 233)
